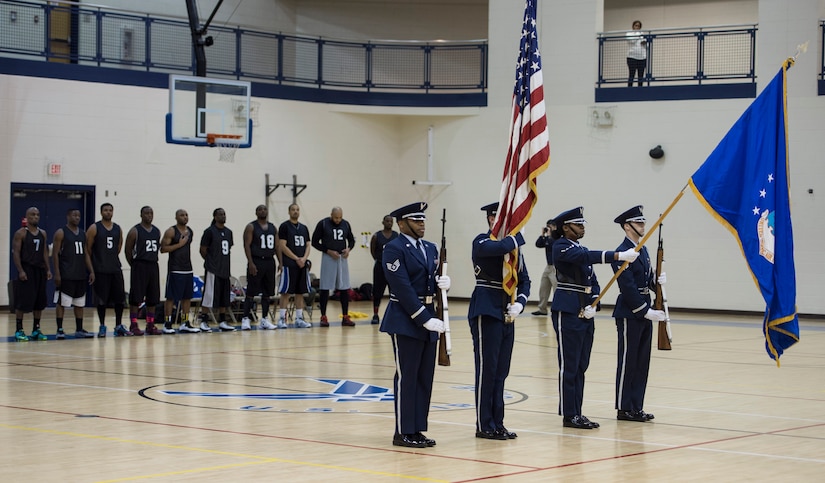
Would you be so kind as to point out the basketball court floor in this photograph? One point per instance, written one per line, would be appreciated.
(315, 405)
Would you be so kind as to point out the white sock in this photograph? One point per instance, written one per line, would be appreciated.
(283, 313)
(299, 313)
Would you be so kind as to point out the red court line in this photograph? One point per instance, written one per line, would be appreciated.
(640, 453)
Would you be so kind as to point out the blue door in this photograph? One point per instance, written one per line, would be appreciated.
(53, 201)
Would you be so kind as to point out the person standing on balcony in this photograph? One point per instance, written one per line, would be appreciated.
(636, 53)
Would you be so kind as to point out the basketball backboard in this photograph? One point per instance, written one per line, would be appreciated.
(200, 106)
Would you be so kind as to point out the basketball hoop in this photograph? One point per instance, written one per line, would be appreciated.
(227, 145)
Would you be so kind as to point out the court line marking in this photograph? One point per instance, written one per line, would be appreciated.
(259, 459)
(691, 446)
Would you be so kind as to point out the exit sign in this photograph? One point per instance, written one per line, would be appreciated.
(55, 169)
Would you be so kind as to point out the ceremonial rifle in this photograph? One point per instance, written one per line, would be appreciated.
(661, 298)
(442, 311)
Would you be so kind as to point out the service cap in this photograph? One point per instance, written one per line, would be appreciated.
(633, 214)
(491, 209)
(576, 215)
(413, 211)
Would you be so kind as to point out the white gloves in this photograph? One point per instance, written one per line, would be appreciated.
(514, 309)
(435, 325)
(655, 315)
(662, 279)
(443, 282)
(589, 312)
(628, 256)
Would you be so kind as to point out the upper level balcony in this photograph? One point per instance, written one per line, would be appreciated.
(684, 63)
(74, 41)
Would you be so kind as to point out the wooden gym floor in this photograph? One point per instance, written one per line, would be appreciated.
(311, 405)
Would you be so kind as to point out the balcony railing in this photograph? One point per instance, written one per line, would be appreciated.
(67, 32)
(686, 56)
(822, 58)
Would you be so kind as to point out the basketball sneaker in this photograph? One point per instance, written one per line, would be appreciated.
(225, 327)
(135, 329)
(205, 327)
(60, 334)
(302, 324)
(168, 329)
(265, 324)
(21, 336)
(101, 332)
(347, 322)
(282, 323)
(246, 324)
(120, 331)
(185, 327)
(324, 321)
(82, 334)
(37, 335)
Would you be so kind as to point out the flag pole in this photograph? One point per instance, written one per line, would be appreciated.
(639, 246)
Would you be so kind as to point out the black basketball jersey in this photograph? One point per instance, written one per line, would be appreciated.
(380, 241)
(72, 256)
(263, 240)
(218, 242)
(296, 237)
(105, 258)
(147, 244)
(31, 250)
(329, 236)
(180, 260)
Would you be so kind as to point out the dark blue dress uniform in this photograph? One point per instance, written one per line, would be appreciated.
(492, 336)
(411, 277)
(635, 332)
(578, 287)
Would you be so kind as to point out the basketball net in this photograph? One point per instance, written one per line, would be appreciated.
(227, 144)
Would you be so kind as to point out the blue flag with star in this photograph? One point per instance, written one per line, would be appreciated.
(744, 184)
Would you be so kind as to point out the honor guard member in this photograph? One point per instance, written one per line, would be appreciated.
(572, 312)
(410, 266)
(634, 314)
(491, 318)
(72, 273)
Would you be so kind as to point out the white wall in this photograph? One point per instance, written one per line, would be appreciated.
(364, 159)
(657, 14)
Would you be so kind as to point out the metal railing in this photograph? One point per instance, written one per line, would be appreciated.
(68, 32)
(822, 50)
(696, 55)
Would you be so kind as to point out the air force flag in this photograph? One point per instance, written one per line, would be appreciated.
(744, 184)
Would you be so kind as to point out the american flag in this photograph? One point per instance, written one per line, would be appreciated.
(529, 151)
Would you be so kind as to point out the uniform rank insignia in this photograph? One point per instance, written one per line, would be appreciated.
(393, 267)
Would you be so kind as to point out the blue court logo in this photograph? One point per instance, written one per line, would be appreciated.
(344, 390)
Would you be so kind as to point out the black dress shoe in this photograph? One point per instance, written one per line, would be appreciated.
(491, 435)
(637, 416)
(421, 437)
(647, 416)
(408, 441)
(578, 422)
(505, 432)
(539, 312)
(592, 424)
